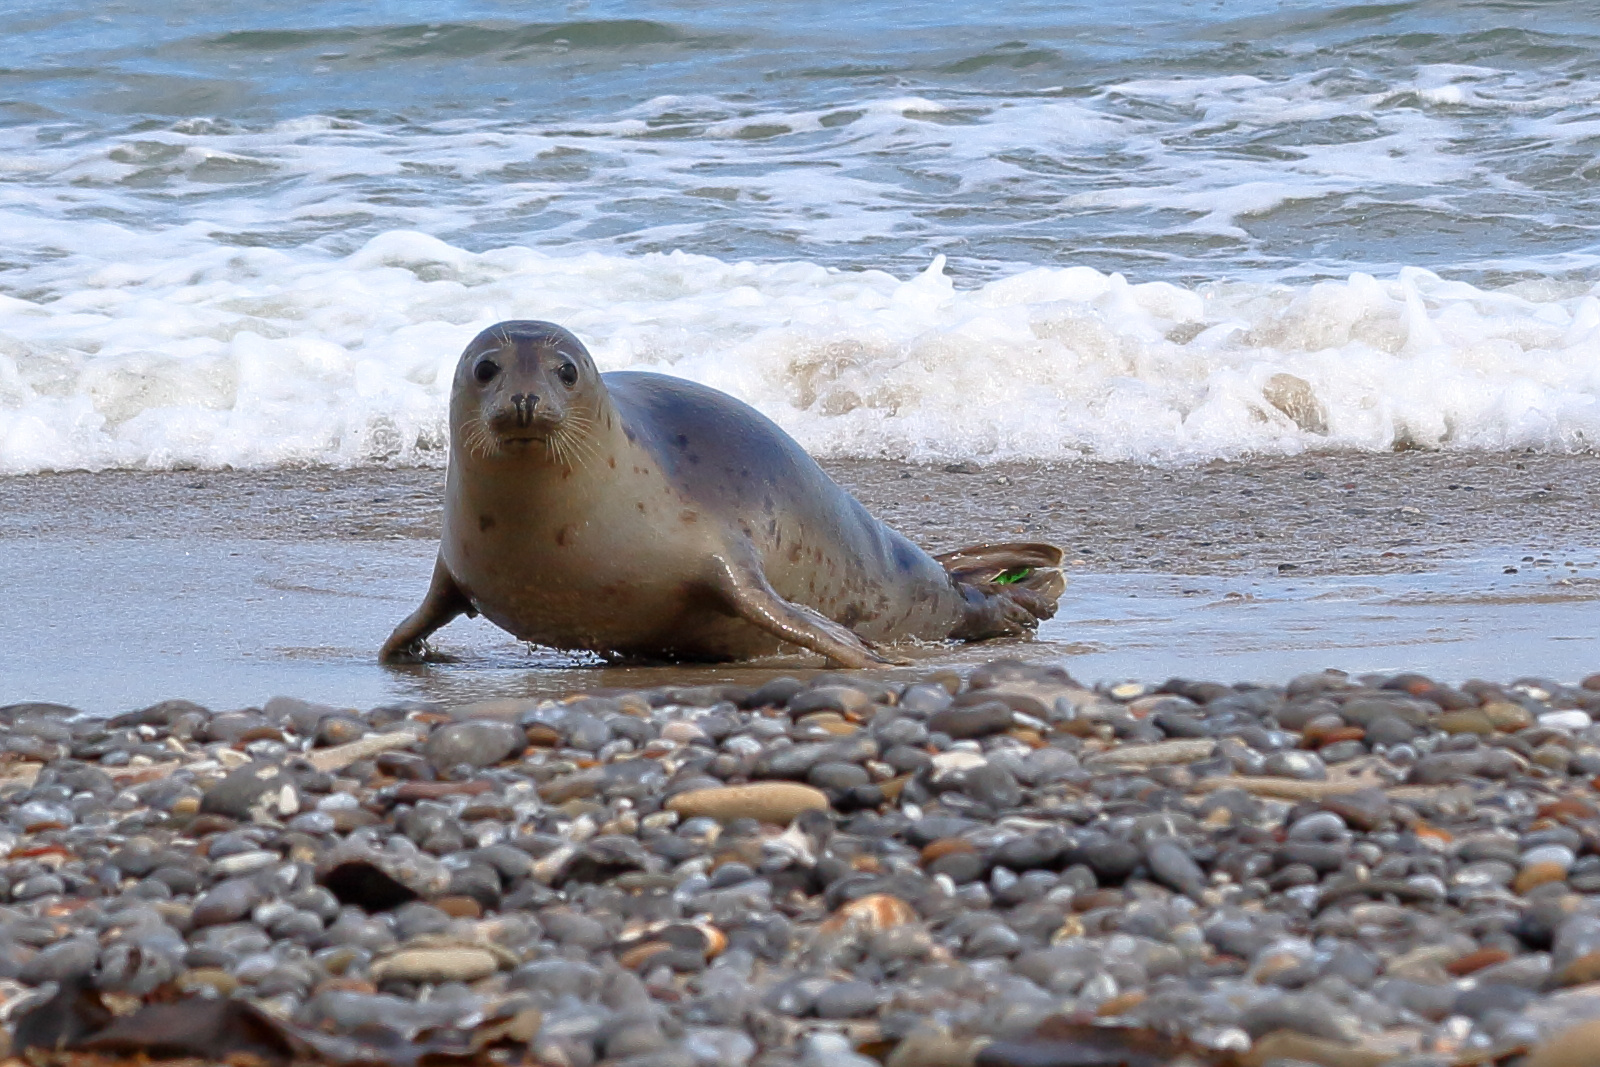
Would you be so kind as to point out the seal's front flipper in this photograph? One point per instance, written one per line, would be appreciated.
(747, 594)
(443, 602)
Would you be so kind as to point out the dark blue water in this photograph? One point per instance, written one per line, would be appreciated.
(1183, 140)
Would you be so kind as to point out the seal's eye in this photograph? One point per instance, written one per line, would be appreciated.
(568, 373)
(485, 370)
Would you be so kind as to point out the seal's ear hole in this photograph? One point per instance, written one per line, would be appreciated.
(568, 373)
(485, 370)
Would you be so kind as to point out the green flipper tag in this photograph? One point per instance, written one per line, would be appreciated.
(1012, 576)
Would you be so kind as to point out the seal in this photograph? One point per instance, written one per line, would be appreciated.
(645, 517)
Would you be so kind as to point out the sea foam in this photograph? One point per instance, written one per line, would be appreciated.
(250, 357)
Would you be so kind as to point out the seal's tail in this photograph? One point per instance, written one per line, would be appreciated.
(1026, 573)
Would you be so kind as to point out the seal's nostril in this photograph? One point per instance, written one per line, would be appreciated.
(524, 405)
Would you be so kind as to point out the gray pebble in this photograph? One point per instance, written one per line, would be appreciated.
(474, 743)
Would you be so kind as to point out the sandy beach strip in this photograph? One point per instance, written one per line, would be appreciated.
(1343, 513)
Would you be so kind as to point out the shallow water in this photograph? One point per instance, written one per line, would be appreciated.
(111, 625)
(257, 236)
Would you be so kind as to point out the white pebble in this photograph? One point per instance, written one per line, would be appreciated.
(1571, 719)
(244, 862)
(1557, 854)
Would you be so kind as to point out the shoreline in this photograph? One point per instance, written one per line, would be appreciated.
(232, 587)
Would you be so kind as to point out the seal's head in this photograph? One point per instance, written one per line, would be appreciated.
(525, 389)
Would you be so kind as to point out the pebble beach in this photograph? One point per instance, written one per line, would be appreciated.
(997, 868)
(1282, 319)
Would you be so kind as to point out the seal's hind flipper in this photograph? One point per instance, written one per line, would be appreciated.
(1009, 587)
(747, 594)
(1031, 565)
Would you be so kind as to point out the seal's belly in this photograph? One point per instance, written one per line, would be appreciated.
(642, 579)
(575, 592)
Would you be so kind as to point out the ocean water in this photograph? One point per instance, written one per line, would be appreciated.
(1160, 230)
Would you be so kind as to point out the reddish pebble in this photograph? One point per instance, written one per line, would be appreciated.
(1476, 961)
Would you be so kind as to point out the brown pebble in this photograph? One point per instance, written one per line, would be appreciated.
(1506, 716)
(1121, 1003)
(1568, 808)
(1476, 961)
(459, 907)
(945, 846)
(212, 978)
(1324, 738)
(436, 965)
(1573, 1047)
(933, 1050)
(768, 802)
(1030, 737)
(202, 825)
(640, 954)
(1470, 721)
(1097, 898)
(716, 940)
(1287, 1045)
(345, 985)
(1581, 971)
(541, 736)
(873, 912)
(1538, 874)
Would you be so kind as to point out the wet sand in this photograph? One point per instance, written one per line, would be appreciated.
(233, 586)
(1319, 514)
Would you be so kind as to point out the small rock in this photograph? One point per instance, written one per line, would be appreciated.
(475, 743)
(768, 802)
(436, 965)
(980, 720)
(253, 791)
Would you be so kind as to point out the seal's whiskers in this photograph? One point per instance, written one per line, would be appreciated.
(570, 444)
(479, 440)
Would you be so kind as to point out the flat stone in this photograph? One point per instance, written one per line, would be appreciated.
(436, 965)
(339, 757)
(1165, 753)
(768, 802)
(475, 743)
(1390, 730)
(1506, 716)
(1467, 721)
(979, 720)
(847, 1000)
(226, 902)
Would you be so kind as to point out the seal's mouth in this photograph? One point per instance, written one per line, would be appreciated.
(564, 440)
(521, 440)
